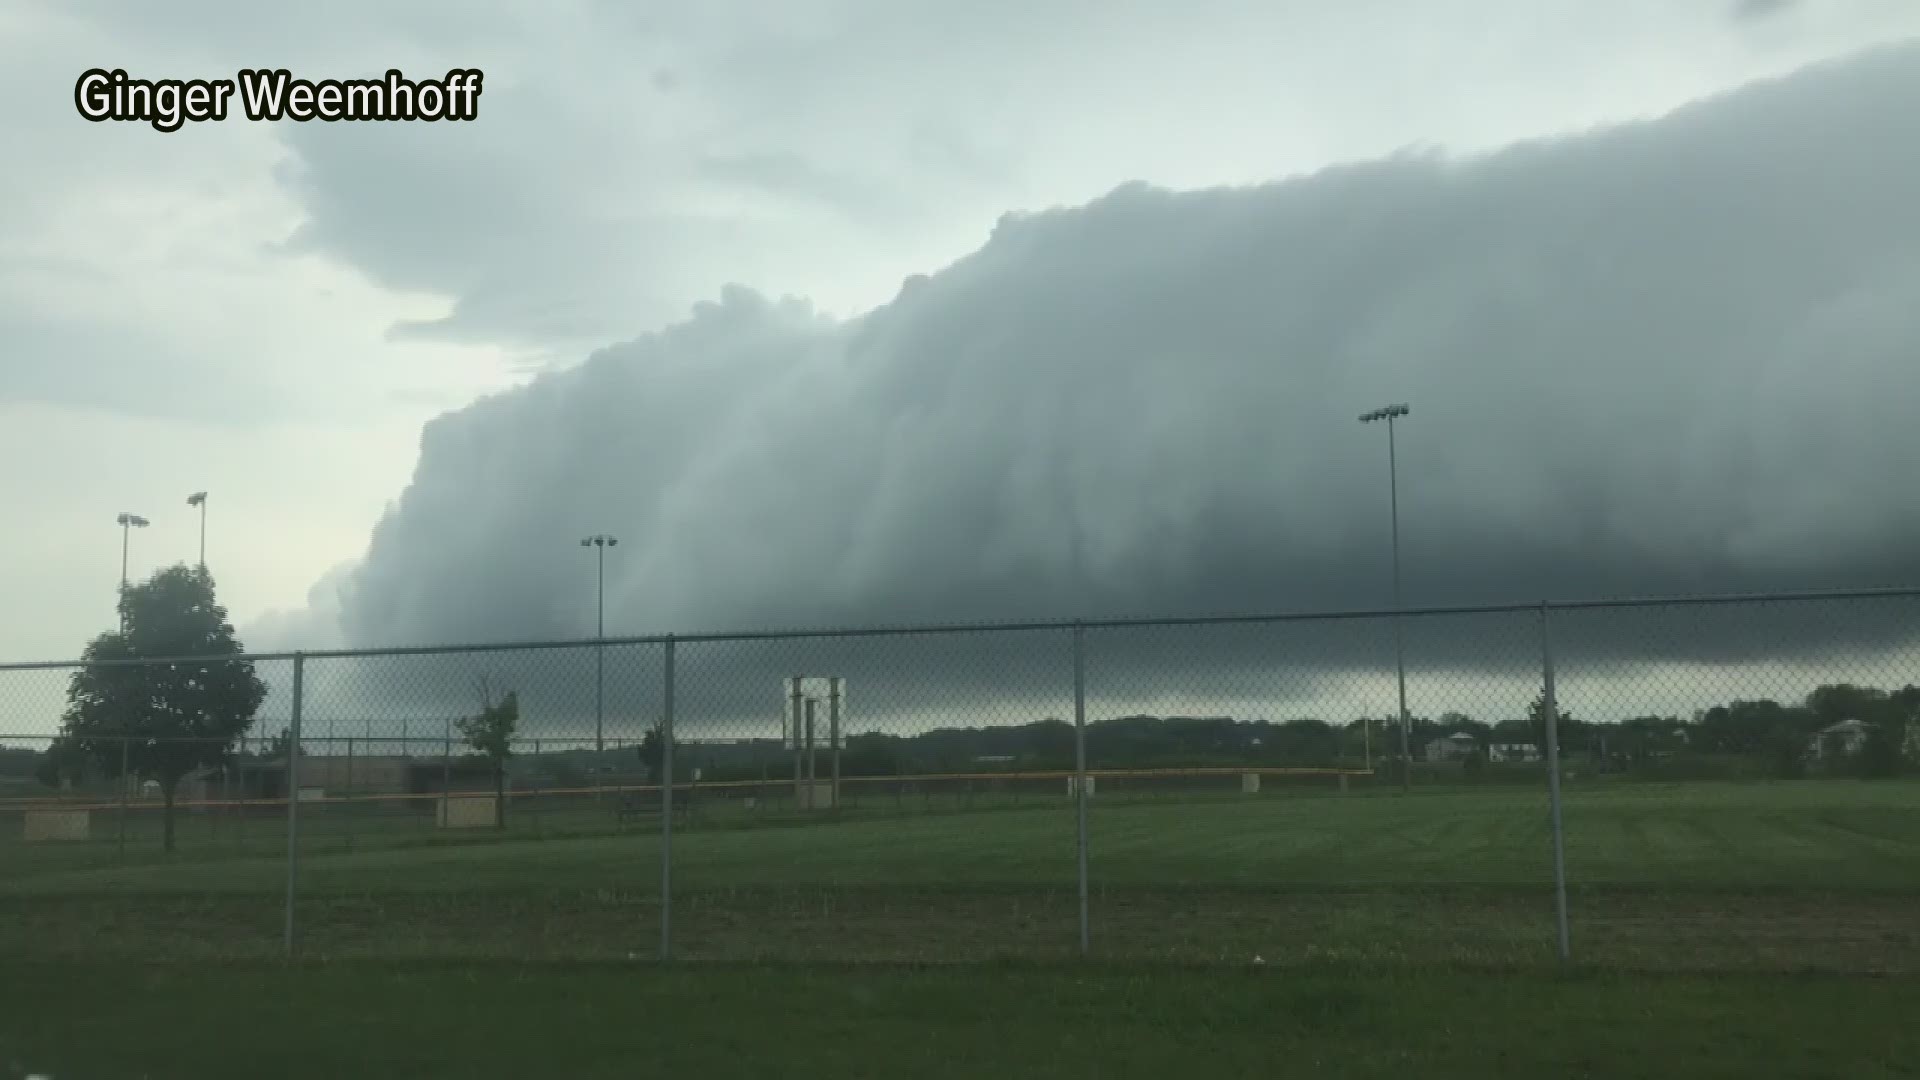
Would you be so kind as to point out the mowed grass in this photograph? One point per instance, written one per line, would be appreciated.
(1719, 930)
(1791, 876)
(468, 1021)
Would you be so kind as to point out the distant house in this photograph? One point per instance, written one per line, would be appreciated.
(1842, 740)
(1518, 751)
(1454, 747)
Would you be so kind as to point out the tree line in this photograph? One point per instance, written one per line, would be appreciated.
(1774, 735)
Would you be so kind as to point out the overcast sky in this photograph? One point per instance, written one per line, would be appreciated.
(1679, 354)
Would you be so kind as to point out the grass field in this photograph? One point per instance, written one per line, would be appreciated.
(1719, 930)
(466, 1021)
(1802, 876)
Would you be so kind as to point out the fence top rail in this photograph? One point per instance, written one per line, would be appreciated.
(934, 629)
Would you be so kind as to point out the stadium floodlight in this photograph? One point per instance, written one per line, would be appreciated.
(600, 542)
(128, 523)
(1390, 413)
(199, 499)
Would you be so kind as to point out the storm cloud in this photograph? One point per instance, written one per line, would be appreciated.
(1667, 357)
(1672, 356)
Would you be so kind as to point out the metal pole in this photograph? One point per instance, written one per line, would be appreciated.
(600, 653)
(833, 735)
(799, 779)
(125, 779)
(1551, 702)
(126, 530)
(293, 792)
(1399, 648)
(203, 535)
(446, 776)
(349, 787)
(545, 782)
(239, 806)
(813, 763)
(666, 806)
(218, 812)
(1080, 770)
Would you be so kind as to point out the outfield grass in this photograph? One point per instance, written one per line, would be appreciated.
(1719, 930)
(1807, 875)
(466, 1021)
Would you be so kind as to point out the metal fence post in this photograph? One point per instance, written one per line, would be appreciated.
(813, 761)
(126, 780)
(793, 696)
(293, 793)
(1080, 771)
(666, 805)
(446, 776)
(1551, 703)
(348, 810)
(239, 806)
(833, 736)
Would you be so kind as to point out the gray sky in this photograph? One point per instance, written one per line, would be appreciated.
(1669, 356)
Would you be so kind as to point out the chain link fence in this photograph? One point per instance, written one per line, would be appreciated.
(1729, 794)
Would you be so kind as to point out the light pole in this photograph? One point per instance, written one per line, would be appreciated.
(600, 542)
(128, 523)
(1390, 413)
(199, 499)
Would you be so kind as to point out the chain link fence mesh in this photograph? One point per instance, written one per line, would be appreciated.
(1733, 779)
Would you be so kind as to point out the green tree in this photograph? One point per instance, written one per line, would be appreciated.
(1880, 751)
(652, 752)
(160, 721)
(490, 734)
(62, 763)
(1566, 729)
(1835, 702)
(1051, 741)
(875, 754)
(17, 762)
(1641, 738)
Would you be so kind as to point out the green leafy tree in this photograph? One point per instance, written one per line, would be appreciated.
(62, 763)
(137, 722)
(1641, 738)
(1566, 729)
(875, 754)
(1051, 742)
(1880, 751)
(652, 751)
(490, 734)
(1835, 702)
(15, 762)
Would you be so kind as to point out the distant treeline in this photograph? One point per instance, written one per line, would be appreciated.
(16, 762)
(1772, 737)
(1777, 736)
